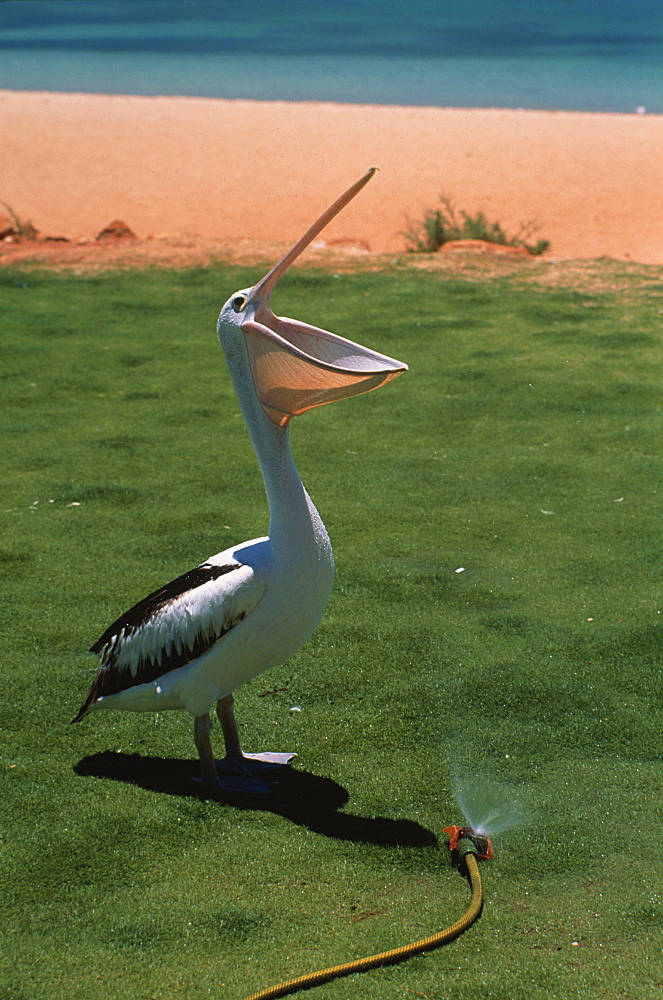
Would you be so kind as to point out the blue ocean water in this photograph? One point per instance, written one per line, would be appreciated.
(586, 55)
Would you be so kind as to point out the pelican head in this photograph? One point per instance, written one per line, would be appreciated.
(294, 366)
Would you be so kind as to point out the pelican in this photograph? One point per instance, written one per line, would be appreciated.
(190, 644)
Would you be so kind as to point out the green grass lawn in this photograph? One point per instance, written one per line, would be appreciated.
(523, 447)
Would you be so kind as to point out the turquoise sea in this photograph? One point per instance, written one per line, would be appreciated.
(587, 55)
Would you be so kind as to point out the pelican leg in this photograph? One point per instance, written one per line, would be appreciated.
(226, 716)
(201, 730)
(242, 768)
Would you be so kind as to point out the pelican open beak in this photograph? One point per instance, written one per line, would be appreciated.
(295, 366)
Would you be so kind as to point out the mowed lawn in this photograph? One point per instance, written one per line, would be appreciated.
(497, 616)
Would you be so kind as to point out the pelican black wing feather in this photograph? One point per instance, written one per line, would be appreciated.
(113, 677)
(141, 613)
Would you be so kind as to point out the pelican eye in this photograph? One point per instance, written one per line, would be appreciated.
(239, 303)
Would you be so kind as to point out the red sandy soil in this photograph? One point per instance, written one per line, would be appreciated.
(198, 179)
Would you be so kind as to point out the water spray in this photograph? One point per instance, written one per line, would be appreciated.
(467, 847)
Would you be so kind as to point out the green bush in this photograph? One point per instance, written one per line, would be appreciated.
(444, 224)
(24, 228)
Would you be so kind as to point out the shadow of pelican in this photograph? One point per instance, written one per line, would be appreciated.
(306, 799)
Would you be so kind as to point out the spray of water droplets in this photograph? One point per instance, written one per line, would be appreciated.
(488, 807)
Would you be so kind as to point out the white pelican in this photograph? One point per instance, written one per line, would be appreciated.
(190, 644)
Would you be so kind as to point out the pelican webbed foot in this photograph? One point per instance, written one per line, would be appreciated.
(251, 773)
(248, 773)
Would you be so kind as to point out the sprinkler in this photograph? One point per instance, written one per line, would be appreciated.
(467, 846)
(479, 844)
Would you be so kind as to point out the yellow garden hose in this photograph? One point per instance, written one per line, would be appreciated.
(468, 851)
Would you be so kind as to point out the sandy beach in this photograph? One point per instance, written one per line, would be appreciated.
(261, 171)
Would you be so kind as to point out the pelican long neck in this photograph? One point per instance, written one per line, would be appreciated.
(290, 508)
(293, 518)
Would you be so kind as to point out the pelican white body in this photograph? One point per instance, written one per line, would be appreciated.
(190, 644)
(281, 602)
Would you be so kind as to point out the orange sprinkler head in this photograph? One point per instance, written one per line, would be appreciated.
(484, 848)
